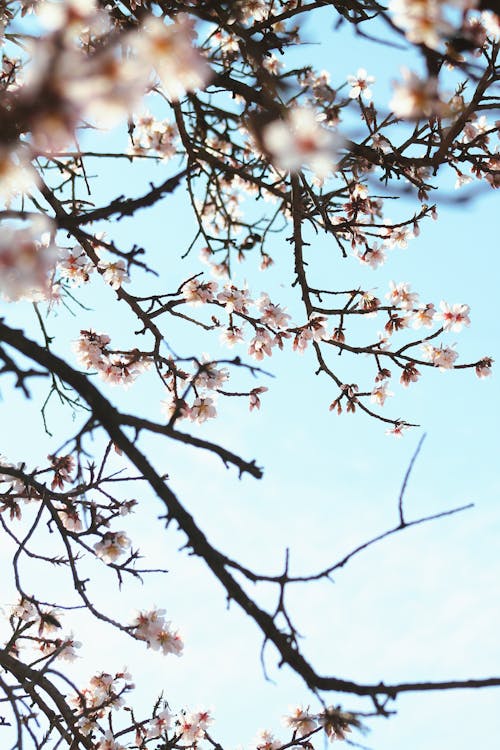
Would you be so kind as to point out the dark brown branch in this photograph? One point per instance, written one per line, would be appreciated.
(108, 417)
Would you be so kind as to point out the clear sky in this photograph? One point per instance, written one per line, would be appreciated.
(421, 605)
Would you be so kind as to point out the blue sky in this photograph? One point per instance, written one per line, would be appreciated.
(421, 605)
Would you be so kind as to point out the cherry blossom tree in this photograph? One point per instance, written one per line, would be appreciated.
(257, 146)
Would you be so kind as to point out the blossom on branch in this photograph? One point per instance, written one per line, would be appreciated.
(400, 295)
(300, 721)
(483, 368)
(75, 266)
(157, 632)
(112, 546)
(238, 126)
(114, 273)
(199, 292)
(160, 724)
(202, 409)
(441, 356)
(454, 317)
(335, 723)
(360, 84)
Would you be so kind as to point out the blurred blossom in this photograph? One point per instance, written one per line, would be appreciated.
(27, 260)
(171, 50)
(417, 97)
(16, 172)
(299, 141)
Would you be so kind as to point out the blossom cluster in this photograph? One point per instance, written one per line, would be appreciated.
(188, 728)
(34, 268)
(157, 632)
(104, 694)
(27, 616)
(71, 84)
(429, 21)
(261, 146)
(271, 326)
(152, 136)
(14, 489)
(92, 352)
(109, 547)
(112, 545)
(334, 722)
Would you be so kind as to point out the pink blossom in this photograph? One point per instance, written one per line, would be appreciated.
(360, 84)
(300, 140)
(162, 638)
(177, 407)
(108, 742)
(300, 721)
(253, 10)
(302, 339)
(70, 518)
(202, 409)
(114, 274)
(483, 368)
(424, 316)
(112, 546)
(416, 97)
(75, 265)
(265, 741)
(151, 135)
(67, 648)
(72, 16)
(27, 260)
(172, 51)
(398, 236)
(317, 325)
(89, 348)
(211, 378)
(220, 270)
(254, 397)
(192, 726)
(409, 375)
(369, 302)
(272, 315)
(380, 393)
(122, 369)
(462, 179)
(159, 724)
(373, 256)
(232, 335)
(397, 430)
(16, 173)
(400, 295)
(423, 21)
(454, 317)
(234, 299)
(335, 723)
(272, 64)
(199, 292)
(24, 610)
(260, 344)
(157, 632)
(443, 357)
